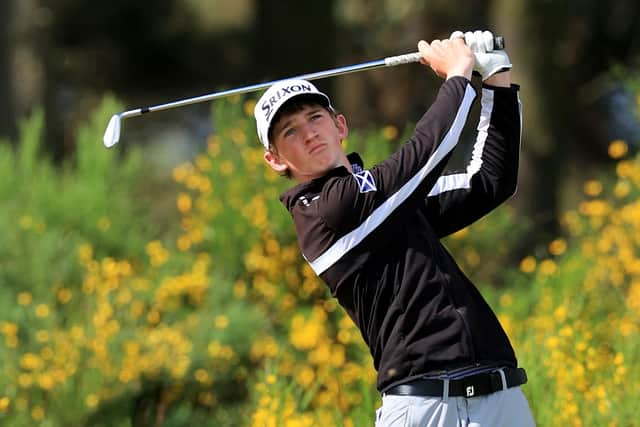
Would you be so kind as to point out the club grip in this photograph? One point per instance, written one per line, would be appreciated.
(408, 58)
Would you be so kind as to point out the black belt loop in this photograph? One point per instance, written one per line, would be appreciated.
(471, 386)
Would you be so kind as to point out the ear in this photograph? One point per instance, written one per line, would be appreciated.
(341, 124)
(275, 162)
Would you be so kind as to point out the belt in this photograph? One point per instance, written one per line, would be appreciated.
(473, 385)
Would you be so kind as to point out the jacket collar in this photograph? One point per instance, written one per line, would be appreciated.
(289, 197)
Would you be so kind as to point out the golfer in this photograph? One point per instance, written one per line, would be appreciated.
(373, 235)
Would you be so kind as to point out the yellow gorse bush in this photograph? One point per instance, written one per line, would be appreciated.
(224, 323)
(579, 336)
(571, 338)
(307, 343)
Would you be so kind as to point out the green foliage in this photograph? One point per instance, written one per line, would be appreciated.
(101, 316)
(108, 320)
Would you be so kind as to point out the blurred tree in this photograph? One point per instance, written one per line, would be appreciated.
(374, 29)
(145, 58)
(7, 113)
(563, 54)
(21, 72)
(70, 52)
(292, 37)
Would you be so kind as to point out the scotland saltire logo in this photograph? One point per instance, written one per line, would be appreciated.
(365, 181)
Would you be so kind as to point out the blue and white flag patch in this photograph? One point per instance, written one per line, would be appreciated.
(365, 181)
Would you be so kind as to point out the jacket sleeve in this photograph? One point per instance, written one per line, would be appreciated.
(458, 199)
(409, 173)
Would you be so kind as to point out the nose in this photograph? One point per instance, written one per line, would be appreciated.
(308, 132)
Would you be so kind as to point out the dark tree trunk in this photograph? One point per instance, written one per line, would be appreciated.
(7, 111)
(293, 37)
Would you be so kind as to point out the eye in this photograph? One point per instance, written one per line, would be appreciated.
(316, 116)
(288, 132)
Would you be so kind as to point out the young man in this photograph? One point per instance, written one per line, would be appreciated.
(373, 235)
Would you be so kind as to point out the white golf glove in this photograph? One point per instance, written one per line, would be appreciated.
(488, 61)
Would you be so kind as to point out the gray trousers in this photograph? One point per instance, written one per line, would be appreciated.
(506, 408)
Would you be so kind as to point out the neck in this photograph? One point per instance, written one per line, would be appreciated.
(303, 178)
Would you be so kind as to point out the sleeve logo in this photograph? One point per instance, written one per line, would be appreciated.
(365, 181)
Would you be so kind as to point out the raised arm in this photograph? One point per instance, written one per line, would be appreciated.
(412, 170)
(490, 178)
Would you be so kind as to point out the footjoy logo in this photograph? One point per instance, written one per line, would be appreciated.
(267, 106)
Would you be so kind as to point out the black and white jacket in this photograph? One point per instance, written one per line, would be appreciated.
(374, 237)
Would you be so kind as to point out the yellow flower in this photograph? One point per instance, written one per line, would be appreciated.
(85, 253)
(617, 149)
(91, 400)
(593, 188)
(598, 208)
(305, 376)
(183, 243)
(45, 381)
(184, 203)
(104, 223)
(558, 247)
(624, 169)
(547, 267)
(25, 298)
(157, 253)
(26, 222)
(204, 163)
(207, 398)
(566, 332)
(506, 299)
(202, 376)
(181, 172)
(4, 404)
(8, 329)
(560, 314)
(621, 189)
(390, 132)
(528, 264)
(239, 289)
(153, 317)
(221, 322)
(37, 413)
(213, 146)
(64, 295)
(42, 310)
(42, 336)
(618, 359)
(249, 106)
(226, 168)
(305, 335)
(25, 380)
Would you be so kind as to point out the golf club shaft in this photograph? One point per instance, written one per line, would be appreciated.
(112, 134)
(386, 62)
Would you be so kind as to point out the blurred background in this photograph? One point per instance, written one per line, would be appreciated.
(570, 58)
(159, 283)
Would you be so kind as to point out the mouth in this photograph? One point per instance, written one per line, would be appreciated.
(316, 148)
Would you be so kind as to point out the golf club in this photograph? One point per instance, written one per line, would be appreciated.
(112, 134)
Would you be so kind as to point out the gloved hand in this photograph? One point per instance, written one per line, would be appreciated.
(488, 60)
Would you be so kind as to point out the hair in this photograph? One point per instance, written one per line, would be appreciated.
(292, 106)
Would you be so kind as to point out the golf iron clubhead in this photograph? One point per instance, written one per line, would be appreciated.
(112, 134)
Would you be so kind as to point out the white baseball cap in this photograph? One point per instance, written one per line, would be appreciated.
(275, 97)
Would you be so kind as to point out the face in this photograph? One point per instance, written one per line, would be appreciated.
(308, 143)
